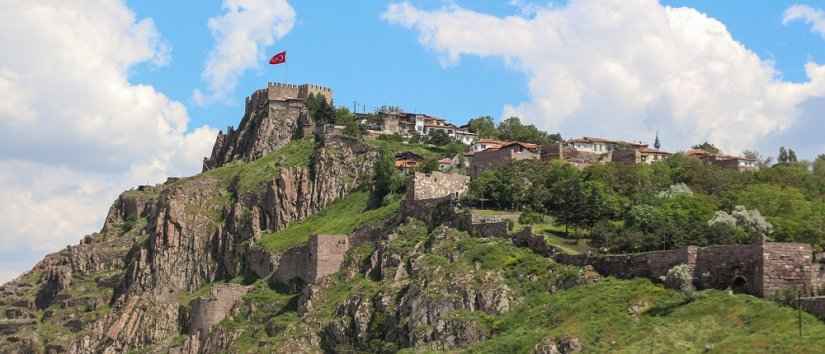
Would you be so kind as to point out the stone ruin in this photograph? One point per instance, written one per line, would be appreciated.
(764, 269)
(320, 257)
(436, 185)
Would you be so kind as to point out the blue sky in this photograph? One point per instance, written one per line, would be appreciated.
(138, 89)
(346, 45)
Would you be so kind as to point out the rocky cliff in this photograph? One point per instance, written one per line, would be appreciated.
(266, 125)
(122, 288)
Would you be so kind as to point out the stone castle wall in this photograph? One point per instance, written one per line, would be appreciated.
(280, 91)
(651, 265)
(437, 185)
(209, 311)
(788, 266)
(326, 254)
(762, 269)
(321, 256)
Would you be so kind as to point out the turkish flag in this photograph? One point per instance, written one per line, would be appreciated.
(279, 58)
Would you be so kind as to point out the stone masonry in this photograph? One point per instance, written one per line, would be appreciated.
(763, 268)
(437, 185)
(320, 257)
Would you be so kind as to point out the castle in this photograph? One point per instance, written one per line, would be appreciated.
(273, 116)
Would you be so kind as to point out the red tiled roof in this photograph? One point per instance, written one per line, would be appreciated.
(653, 151)
(587, 139)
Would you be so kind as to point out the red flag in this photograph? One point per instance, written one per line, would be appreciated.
(279, 58)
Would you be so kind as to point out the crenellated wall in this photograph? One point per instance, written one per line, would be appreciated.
(277, 91)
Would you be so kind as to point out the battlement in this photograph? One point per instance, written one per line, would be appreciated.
(277, 91)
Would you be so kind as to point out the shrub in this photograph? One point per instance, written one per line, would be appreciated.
(680, 278)
(530, 218)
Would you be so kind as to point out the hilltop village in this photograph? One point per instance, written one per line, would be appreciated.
(315, 229)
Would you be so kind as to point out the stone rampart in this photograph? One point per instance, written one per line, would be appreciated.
(277, 91)
(437, 185)
(651, 265)
(211, 310)
(762, 269)
(814, 306)
(320, 257)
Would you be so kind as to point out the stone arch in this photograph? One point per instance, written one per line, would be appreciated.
(739, 284)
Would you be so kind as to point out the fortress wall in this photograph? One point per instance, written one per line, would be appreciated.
(294, 263)
(729, 266)
(326, 255)
(653, 265)
(787, 266)
(437, 185)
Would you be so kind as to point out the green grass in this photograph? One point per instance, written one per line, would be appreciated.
(253, 175)
(553, 233)
(342, 217)
(422, 150)
(601, 316)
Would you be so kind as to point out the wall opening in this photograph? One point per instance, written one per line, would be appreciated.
(739, 284)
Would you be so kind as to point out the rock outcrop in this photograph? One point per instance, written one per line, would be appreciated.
(268, 123)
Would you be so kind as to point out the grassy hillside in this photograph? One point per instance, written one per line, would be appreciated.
(616, 316)
(342, 217)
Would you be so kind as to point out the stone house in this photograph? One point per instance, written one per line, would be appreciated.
(738, 163)
(496, 157)
(638, 155)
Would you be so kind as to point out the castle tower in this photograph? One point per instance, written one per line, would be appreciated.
(277, 91)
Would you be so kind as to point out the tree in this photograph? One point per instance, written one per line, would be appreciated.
(513, 129)
(320, 110)
(429, 166)
(484, 127)
(783, 155)
(386, 179)
(792, 156)
(439, 138)
(819, 166)
(762, 162)
(707, 147)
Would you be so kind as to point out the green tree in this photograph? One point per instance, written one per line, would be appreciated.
(707, 147)
(386, 179)
(513, 129)
(439, 138)
(819, 166)
(484, 127)
(320, 110)
(429, 166)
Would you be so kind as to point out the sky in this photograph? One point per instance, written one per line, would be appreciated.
(100, 96)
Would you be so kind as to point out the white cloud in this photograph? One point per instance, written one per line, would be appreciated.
(625, 69)
(807, 14)
(74, 132)
(241, 35)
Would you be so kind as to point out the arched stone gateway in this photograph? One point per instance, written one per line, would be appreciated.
(739, 284)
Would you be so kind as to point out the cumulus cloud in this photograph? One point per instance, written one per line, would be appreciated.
(74, 131)
(807, 14)
(625, 69)
(241, 35)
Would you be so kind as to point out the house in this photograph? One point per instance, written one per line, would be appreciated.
(496, 157)
(484, 144)
(599, 145)
(638, 155)
(407, 161)
(738, 163)
(387, 122)
(586, 151)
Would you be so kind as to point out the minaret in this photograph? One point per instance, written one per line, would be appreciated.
(657, 144)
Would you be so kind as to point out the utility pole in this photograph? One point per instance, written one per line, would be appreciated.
(799, 310)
